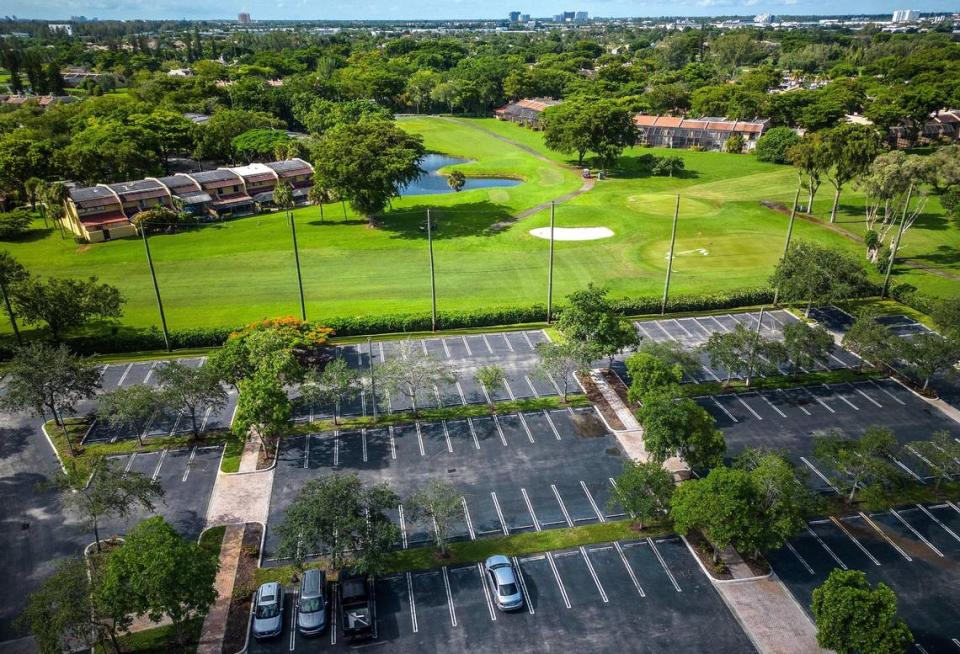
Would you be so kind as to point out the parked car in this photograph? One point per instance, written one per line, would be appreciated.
(586, 173)
(503, 583)
(268, 611)
(356, 606)
(312, 605)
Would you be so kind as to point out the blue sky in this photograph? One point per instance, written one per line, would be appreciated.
(399, 9)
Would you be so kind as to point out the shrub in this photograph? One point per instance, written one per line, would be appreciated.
(14, 223)
(773, 145)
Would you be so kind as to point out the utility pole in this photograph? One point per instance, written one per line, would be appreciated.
(786, 244)
(550, 265)
(673, 242)
(156, 287)
(373, 383)
(433, 281)
(296, 257)
(756, 342)
(896, 244)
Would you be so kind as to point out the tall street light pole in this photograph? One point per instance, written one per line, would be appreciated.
(550, 265)
(786, 244)
(673, 242)
(433, 280)
(156, 287)
(296, 256)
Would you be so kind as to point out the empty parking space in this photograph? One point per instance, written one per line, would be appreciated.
(516, 472)
(600, 598)
(914, 550)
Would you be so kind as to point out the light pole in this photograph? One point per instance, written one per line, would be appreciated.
(673, 242)
(296, 257)
(373, 383)
(786, 244)
(550, 265)
(156, 287)
(433, 281)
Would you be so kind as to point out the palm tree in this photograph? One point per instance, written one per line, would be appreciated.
(54, 196)
(318, 195)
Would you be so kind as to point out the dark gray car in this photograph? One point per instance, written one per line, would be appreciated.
(312, 605)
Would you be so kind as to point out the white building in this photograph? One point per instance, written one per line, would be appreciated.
(61, 28)
(763, 19)
(905, 15)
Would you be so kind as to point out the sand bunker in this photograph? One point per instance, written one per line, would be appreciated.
(573, 233)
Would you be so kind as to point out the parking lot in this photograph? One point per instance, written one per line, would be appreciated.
(694, 331)
(788, 420)
(519, 472)
(124, 375)
(913, 550)
(513, 351)
(637, 596)
(186, 474)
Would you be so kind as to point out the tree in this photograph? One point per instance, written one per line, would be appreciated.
(558, 362)
(420, 86)
(259, 144)
(816, 274)
(440, 504)
(667, 166)
(14, 224)
(49, 377)
(65, 303)
(107, 150)
(192, 391)
(411, 372)
(946, 313)
(490, 377)
(168, 132)
(110, 492)
(368, 163)
(742, 353)
(852, 148)
(941, 453)
(853, 617)
(680, 428)
(156, 219)
(159, 574)
(734, 144)
(215, 137)
(336, 515)
(11, 272)
(643, 490)
(134, 407)
(650, 374)
(263, 406)
(566, 129)
(806, 346)
(456, 180)
(63, 613)
(722, 506)
(870, 339)
(855, 463)
(591, 320)
(812, 158)
(672, 353)
(602, 126)
(334, 385)
(773, 145)
(928, 354)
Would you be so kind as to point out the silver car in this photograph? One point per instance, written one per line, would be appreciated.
(502, 579)
(312, 605)
(268, 611)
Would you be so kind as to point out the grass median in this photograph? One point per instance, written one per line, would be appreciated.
(782, 381)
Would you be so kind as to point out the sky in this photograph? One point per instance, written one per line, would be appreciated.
(441, 9)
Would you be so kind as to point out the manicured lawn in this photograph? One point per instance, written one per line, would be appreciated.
(240, 271)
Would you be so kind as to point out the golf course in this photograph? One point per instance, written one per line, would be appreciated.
(238, 271)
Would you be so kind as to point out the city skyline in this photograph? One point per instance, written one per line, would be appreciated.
(444, 10)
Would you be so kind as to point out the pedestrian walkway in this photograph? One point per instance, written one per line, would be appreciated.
(242, 496)
(215, 624)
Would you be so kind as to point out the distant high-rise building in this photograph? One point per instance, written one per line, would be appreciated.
(61, 28)
(581, 17)
(524, 18)
(244, 18)
(763, 19)
(514, 16)
(905, 15)
(569, 16)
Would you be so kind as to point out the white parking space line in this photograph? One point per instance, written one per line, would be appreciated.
(680, 325)
(506, 385)
(802, 408)
(919, 456)
(663, 563)
(723, 408)
(466, 516)
(747, 407)
(826, 548)
(496, 421)
(867, 397)
(403, 526)
(446, 584)
(526, 427)
(423, 346)
(293, 622)
(333, 615)
(593, 573)
(854, 539)
(436, 392)
(420, 438)
(553, 427)
(413, 604)
(487, 343)
(669, 335)
(523, 585)
(951, 504)
(507, 341)
(530, 385)
(486, 593)
(393, 444)
(446, 436)
(206, 416)
(146, 379)
(124, 375)
(883, 535)
(556, 386)
(467, 345)
(772, 405)
(891, 395)
(156, 471)
(593, 504)
(819, 401)
(896, 514)
(363, 442)
(473, 433)
(533, 516)
(556, 574)
(630, 572)
(802, 561)
(463, 398)
(446, 349)
(903, 466)
(336, 449)
(496, 505)
(937, 520)
(126, 468)
(956, 642)
(563, 508)
(193, 456)
(526, 337)
(842, 398)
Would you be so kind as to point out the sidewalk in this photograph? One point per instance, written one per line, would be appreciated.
(215, 624)
(244, 496)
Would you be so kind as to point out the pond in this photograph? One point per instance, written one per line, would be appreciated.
(433, 182)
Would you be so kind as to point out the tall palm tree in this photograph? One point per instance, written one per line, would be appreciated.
(55, 196)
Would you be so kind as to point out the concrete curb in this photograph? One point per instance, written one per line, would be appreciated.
(721, 581)
(53, 447)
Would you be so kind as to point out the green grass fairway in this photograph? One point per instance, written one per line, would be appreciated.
(243, 270)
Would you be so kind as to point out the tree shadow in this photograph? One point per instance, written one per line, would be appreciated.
(638, 166)
(944, 255)
(473, 219)
(31, 235)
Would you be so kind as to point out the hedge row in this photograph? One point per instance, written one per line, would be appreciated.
(128, 340)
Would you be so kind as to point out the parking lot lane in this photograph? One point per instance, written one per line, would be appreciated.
(947, 534)
(436, 631)
(137, 374)
(577, 504)
(869, 533)
(548, 511)
(472, 391)
(393, 609)
(903, 530)
(187, 477)
(487, 433)
(578, 424)
(514, 431)
(515, 511)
